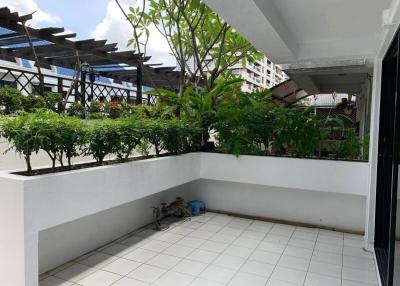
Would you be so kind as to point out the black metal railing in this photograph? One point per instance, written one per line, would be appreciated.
(28, 82)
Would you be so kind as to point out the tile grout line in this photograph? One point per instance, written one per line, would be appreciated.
(312, 254)
(212, 233)
(194, 249)
(276, 265)
(247, 259)
(228, 245)
(179, 224)
(341, 272)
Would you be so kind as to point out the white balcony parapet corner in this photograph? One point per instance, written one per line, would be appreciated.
(29, 205)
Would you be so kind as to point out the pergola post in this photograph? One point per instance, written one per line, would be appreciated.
(61, 92)
(128, 96)
(83, 88)
(139, 85)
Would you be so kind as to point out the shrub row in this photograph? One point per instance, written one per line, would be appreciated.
(256, 124)
(12, 101)
(62, 136)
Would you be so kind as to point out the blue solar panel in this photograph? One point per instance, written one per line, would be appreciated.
(65, 71)
(25, 63)
(70, 73)
(103, 80)
(5, 31)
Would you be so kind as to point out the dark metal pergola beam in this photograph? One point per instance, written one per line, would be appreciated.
(58, 49)
(20, 39)
(14, 26)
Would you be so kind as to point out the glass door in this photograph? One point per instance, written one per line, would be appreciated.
(396, 256)
(387, 233)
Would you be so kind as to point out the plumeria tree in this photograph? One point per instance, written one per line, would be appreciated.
(203, 44)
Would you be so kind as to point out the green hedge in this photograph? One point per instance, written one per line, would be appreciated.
(12, 101)
(243, 123)
(256, 124)
(62, 136)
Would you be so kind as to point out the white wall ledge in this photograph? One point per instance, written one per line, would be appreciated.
(291, 173)
(45, 201)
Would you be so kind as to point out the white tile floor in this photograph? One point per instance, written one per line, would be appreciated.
(217, 250)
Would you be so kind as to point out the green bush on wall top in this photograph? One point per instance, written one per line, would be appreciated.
(65, 137)
(243, 123)
(12, 101)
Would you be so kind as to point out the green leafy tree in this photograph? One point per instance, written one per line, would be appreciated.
(23, 134)
(131, 135)
(153, 132)
(31, 102)
(198, 104)
(195, 34)
(181, 136)
(351, 147)
(76, 109)
(103, 138)
(144, 111)
(10, 100)
(52, 100)
(72, 137)
(51, 133)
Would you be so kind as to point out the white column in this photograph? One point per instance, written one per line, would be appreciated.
(373, 154)
(18, 246)
(31, 248)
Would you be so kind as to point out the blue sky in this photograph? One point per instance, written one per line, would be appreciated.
(80, 16)
(99, 19)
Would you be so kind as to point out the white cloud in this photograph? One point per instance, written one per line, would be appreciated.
(115, 28)
(29, 6)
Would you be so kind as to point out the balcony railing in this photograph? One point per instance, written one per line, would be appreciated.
(27, 81)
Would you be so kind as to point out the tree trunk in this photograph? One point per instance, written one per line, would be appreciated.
(53, 166)
(60, 159)
(28, 163)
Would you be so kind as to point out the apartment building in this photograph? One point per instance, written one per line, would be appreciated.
(261, 74)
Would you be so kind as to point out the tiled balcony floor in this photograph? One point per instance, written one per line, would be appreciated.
(216, 250)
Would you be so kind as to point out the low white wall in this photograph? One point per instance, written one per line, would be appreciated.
(290, 173)
(325, 209)
(65, 242)
(12, 238)
(43, 202)
(328, 193)
(73, 195)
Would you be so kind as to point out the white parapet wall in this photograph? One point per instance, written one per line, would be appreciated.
(289, 173)
(322, 193)
(38, 212)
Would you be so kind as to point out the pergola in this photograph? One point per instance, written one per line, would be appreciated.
(52, 46)
(288, 92)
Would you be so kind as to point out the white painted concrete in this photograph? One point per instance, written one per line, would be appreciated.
(392, 16)
(300, 174)
(313, 30)
(65, 242)
(288, 31)
(344, 212)
(44, 202)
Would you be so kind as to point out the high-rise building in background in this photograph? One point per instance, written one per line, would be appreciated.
(263, 74)
(260, 75)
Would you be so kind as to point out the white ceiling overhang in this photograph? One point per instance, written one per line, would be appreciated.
(289, 31)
